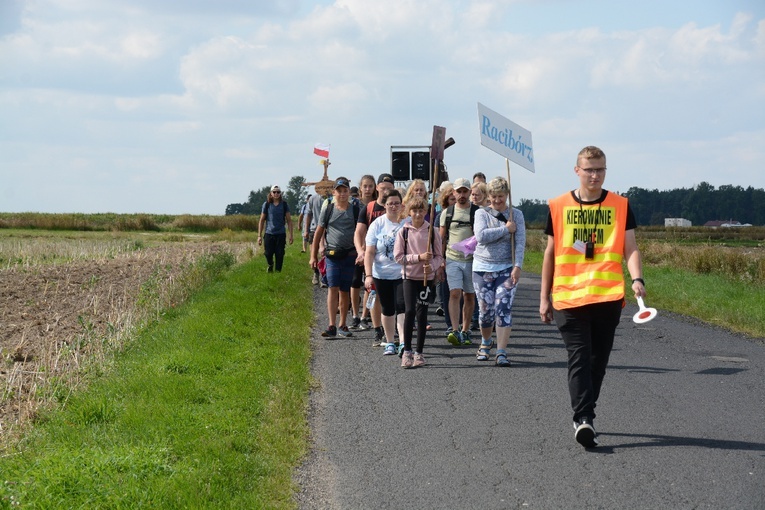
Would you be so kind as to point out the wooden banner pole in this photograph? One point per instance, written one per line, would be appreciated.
(510, 200)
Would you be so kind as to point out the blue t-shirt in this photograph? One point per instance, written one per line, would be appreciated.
(276, 217)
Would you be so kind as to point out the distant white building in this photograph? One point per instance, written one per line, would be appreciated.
(676, 222)
(726, 224)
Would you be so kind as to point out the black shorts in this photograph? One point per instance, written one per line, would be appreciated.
(391, 296)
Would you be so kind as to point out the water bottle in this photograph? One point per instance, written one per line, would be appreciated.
(371, 299)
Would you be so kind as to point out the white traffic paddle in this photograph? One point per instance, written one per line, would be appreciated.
(644, 314)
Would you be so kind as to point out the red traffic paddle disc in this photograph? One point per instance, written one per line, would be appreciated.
(644, 314)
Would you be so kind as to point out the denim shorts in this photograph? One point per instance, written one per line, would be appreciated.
(459, 275)
(340, 272)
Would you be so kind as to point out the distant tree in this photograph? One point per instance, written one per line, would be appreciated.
(657, 218)
(699, 204)
(732, 199)
(534, 212)
(641, 203)
(296, 194)
(703, 205)
(234, 209)
(256, 200)
(756, 201)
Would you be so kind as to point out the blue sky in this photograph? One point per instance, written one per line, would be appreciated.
(184, 107)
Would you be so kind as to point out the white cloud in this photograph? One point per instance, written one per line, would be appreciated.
(342, 96)
(141, 45)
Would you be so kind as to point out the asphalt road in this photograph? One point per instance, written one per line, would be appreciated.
(681, 420)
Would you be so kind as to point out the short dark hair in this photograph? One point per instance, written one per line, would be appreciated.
(391, 193)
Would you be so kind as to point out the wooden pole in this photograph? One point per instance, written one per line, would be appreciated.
(434, 184)
(510, 200)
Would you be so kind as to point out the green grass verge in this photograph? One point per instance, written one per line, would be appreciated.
(205, 409)
(714, 299)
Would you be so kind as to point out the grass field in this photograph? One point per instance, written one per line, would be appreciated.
(205, 409)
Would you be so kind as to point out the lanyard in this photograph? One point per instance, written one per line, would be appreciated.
(593, 235)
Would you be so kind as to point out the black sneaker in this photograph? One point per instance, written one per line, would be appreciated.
(440, 311)
(379, 337)
(366, 323)
(356, 323)
(330, 332)
(584, 433)
(270, 269)
(343, 331)
(474, 326)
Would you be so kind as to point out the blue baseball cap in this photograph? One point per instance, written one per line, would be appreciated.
(342, 182)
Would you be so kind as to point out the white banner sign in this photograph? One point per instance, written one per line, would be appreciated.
(505, 137)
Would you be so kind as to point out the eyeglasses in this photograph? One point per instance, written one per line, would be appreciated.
(593, 171)
(393, 204)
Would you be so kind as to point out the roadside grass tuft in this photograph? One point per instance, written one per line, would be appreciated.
(206, 408)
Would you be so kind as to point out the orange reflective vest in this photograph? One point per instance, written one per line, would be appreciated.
(577, 281)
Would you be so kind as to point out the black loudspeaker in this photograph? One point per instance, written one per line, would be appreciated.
(443, 175)
(399, 166)
(421, 165)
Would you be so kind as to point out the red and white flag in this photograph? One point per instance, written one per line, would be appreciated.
(321, 149)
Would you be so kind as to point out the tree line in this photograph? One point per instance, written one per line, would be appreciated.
(699, 204)
(294, 195)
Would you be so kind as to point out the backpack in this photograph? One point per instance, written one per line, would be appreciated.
(370, 211)
(264, 209)
(449, 214)
(427, 295)
(331, 206)
(405, 235)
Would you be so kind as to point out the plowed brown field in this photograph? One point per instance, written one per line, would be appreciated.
(56, 319)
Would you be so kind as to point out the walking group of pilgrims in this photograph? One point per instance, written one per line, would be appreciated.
(385, 254)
